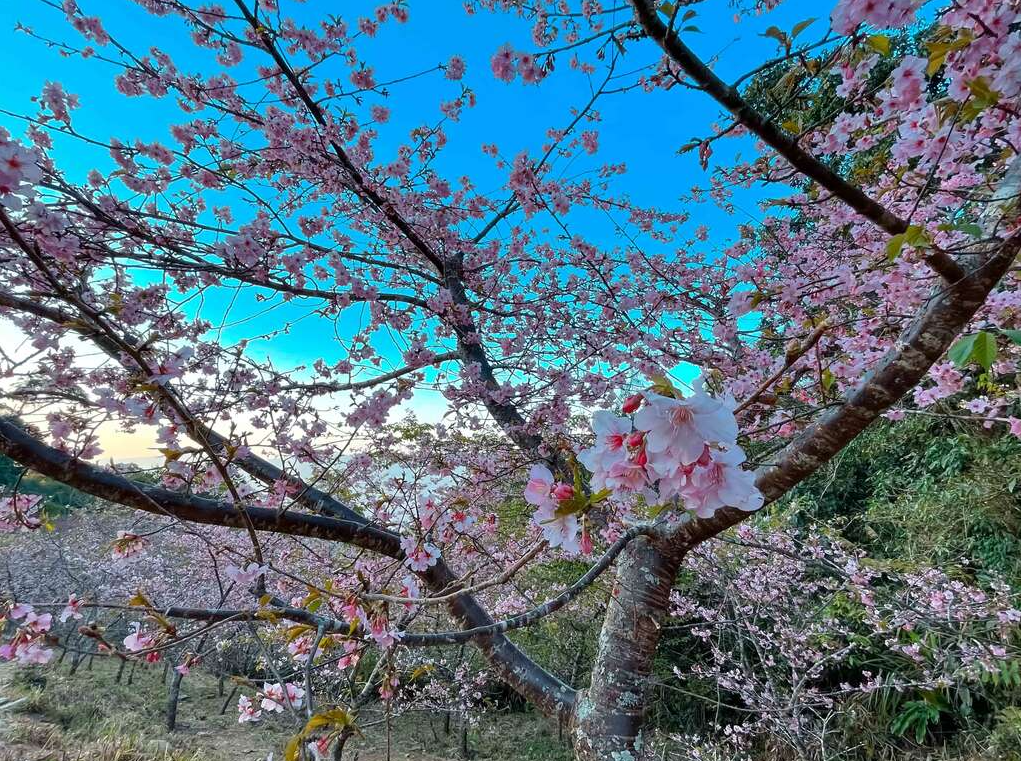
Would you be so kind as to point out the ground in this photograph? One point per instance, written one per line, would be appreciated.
(90, 716)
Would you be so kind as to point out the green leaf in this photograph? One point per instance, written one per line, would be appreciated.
(938, 51)
(662, 386)
(139, 600)
(979, 348)
(983, 92)
(879, 43)
(893, 247)
(1013, 335)
(827, 379)
(917, 237)
(656, 510)
(914, 236)
(960, 352)
(292, 748)
(984, 352)
(972, 229)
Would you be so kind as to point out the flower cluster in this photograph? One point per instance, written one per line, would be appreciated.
(273, 699)
(27, 646)
(138, 641)
(675, 449)
(559, 528)
(789, 619)
(18, 172)
(246, 575)
(419, 556)
(127, 545)
(14, 512)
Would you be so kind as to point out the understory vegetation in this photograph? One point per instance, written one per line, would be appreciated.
(928, 493)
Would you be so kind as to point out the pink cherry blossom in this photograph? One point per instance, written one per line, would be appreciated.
(138, 640)
(610, 432)
(679, 428)
(275, 698)
(455, 67)
(246, 575)
(72, 609)
(128, 545)
(419, 556)
(722, 483)
(247, 712)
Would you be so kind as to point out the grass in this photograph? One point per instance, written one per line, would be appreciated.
(90, 716)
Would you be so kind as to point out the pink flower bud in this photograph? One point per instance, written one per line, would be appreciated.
(632, 403)
(586, 541)
(563, 491)
(641, 459)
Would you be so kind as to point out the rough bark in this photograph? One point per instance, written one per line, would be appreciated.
(610, 715)
(173, 697)
(545, 691)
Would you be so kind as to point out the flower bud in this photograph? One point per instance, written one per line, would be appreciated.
(632, 403)
(635, 439)
(563, 491)
(586, 541)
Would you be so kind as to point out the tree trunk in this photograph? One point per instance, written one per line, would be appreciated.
(610, 715)
(173, 696)
(226, 703)
(465, 747)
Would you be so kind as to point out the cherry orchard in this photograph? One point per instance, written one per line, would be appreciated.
(267, 288)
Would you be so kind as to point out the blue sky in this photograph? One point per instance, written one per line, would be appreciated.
(643, 130)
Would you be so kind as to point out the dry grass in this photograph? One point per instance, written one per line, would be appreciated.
(92, 717)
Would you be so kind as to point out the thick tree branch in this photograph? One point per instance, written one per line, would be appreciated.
(667, 38)
(926, 339)
(547, 692)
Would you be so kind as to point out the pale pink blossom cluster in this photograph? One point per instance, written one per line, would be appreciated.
(419, 556)
(128, 545)
(677, 449)
(848, 14)
(19, 172)
(28, 645)
(73, 609)
(763, 589)
(560, 529)
(246, 575)
(14, 512)
(274, 698)
(247, 712)
(508, 63)
(377, 624)
(139, 641)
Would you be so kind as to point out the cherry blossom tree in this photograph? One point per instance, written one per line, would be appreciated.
(876, 280)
